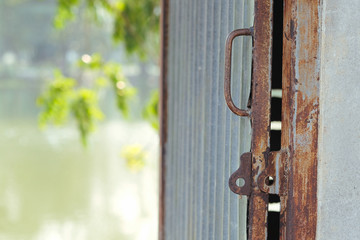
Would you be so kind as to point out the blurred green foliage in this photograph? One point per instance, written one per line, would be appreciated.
(55, 100)
(136, 25)
(63, 96)
(86, 111)
(110, 73)
(135, 22)
(134, 156)
(121, 87)
(150, 112)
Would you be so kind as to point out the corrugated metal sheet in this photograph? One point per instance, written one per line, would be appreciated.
(205, 140)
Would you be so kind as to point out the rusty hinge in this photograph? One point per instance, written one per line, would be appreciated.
(272, 180)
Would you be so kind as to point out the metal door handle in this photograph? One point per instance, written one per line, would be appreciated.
(227, 78)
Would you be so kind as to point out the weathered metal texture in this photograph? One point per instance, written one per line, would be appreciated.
(300, 116)
(276, 168)
(260, 114)
(339, 128)
(163, 113)
(204, 139)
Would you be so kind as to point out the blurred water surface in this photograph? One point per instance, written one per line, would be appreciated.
(52, 188)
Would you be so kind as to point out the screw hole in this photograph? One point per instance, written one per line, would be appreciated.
(240, 182)
(269, 180)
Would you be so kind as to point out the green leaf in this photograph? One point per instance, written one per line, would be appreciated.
(86, 112)
(150, 112)
(56, 100)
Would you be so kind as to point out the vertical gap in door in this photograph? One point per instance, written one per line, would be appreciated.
(276, 77)
(273, 218)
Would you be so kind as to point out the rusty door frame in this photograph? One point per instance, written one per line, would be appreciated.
(300, 113)
(260, 116)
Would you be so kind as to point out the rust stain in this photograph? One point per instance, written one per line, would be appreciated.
(163, 112)
(289, 26)
(260, 115)
(257, 205)
(276, 167)
(300, 118)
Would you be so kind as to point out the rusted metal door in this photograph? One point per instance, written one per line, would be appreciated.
(267, 74)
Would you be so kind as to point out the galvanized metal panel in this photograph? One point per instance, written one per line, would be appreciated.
(339, 133)
(204, 139)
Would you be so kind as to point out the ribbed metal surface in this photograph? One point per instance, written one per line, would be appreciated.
(205, 140)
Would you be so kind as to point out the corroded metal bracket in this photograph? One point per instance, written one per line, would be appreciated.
(243, 172)
(272, 180)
